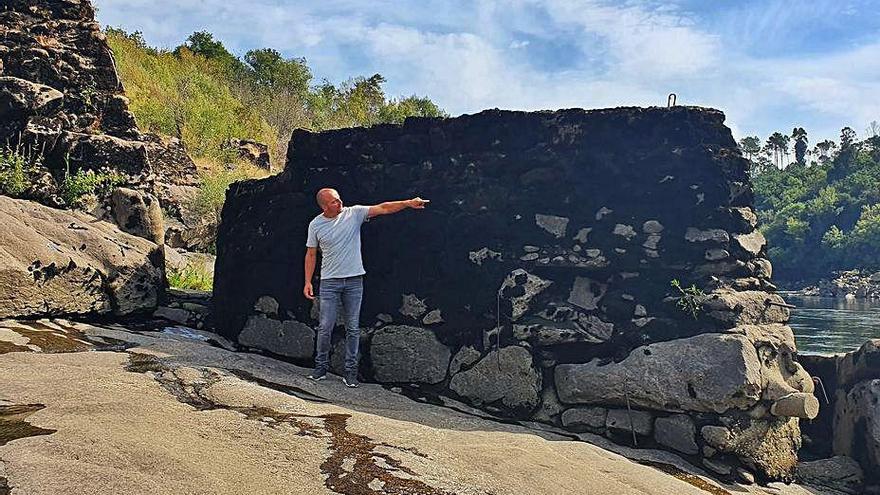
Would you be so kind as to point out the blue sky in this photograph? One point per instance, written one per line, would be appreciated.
(769, 65)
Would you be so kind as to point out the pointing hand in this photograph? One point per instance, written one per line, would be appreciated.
(418, 203)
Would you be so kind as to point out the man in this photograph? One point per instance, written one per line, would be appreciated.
(337, 233)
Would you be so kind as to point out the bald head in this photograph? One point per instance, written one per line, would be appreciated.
(329, 201)
(326, 195)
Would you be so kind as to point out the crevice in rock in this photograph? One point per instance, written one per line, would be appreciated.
(287, 389)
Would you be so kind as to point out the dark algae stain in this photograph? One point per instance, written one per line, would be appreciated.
(64, 338)
(13, 425)
(10, 347)
(686, 477)
(52, 340)
(347, 446)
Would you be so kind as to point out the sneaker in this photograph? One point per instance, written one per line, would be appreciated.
(318, 375)
(350, 380)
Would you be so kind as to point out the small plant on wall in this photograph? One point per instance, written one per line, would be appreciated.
(690, 299)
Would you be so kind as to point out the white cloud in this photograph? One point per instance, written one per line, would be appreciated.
(470, 56)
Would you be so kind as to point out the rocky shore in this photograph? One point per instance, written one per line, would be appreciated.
(852, 284)
(165, 412)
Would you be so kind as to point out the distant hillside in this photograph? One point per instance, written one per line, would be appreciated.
(204, 95)
(821, 211)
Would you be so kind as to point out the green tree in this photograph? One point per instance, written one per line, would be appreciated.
(203, 43)
(799, 136)
(865, 237)
(751, 149)
(413, 106)
(823, 150)
(777, 144)
(272, 71)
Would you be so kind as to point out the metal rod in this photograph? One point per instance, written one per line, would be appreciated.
(768, 302)
(670, 100)
(629, 412)
(818, 381)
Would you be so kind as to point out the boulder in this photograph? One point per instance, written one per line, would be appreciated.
(465, 357)
(286, 338)
(550, 408)
(139, 214)
(506, 375)
(745, 307)
(177, 315)
(169, 161)
(857, 424)
(117, 119)
(549, 333)
(860, 365)
(21, 99)
(55, 262)
(519, 288)
(102, 151)
(628, 421)
(769, 446)
(752, 243)
(839, 473)
(583, 418)
(680, 375)
(252, 152)
(677, 432)
(401, 353)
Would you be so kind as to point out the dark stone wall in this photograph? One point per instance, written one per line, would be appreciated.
(488, 176)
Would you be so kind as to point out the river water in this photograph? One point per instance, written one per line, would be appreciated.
(825, 325)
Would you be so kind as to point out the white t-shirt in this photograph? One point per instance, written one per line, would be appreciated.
(339, 239)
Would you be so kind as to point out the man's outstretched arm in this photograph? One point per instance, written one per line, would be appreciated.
(390, 207)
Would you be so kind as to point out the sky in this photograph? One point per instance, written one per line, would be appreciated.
(769, 65)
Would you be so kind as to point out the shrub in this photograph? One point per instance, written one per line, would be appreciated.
(184, 95)
(203, 94)
(84, 187)
(191, 276)
(16, 168)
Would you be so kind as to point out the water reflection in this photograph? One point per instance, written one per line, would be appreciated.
(825, 325)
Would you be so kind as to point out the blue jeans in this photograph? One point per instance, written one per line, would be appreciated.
(349, 291)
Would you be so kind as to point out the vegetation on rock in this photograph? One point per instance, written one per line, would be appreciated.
(86, 187)
(821, 212)
(192, 276)
(16, 168)
(690, 299)
(204, 95)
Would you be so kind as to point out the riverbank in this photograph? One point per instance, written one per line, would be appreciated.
(156, 412)
(852, 284)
